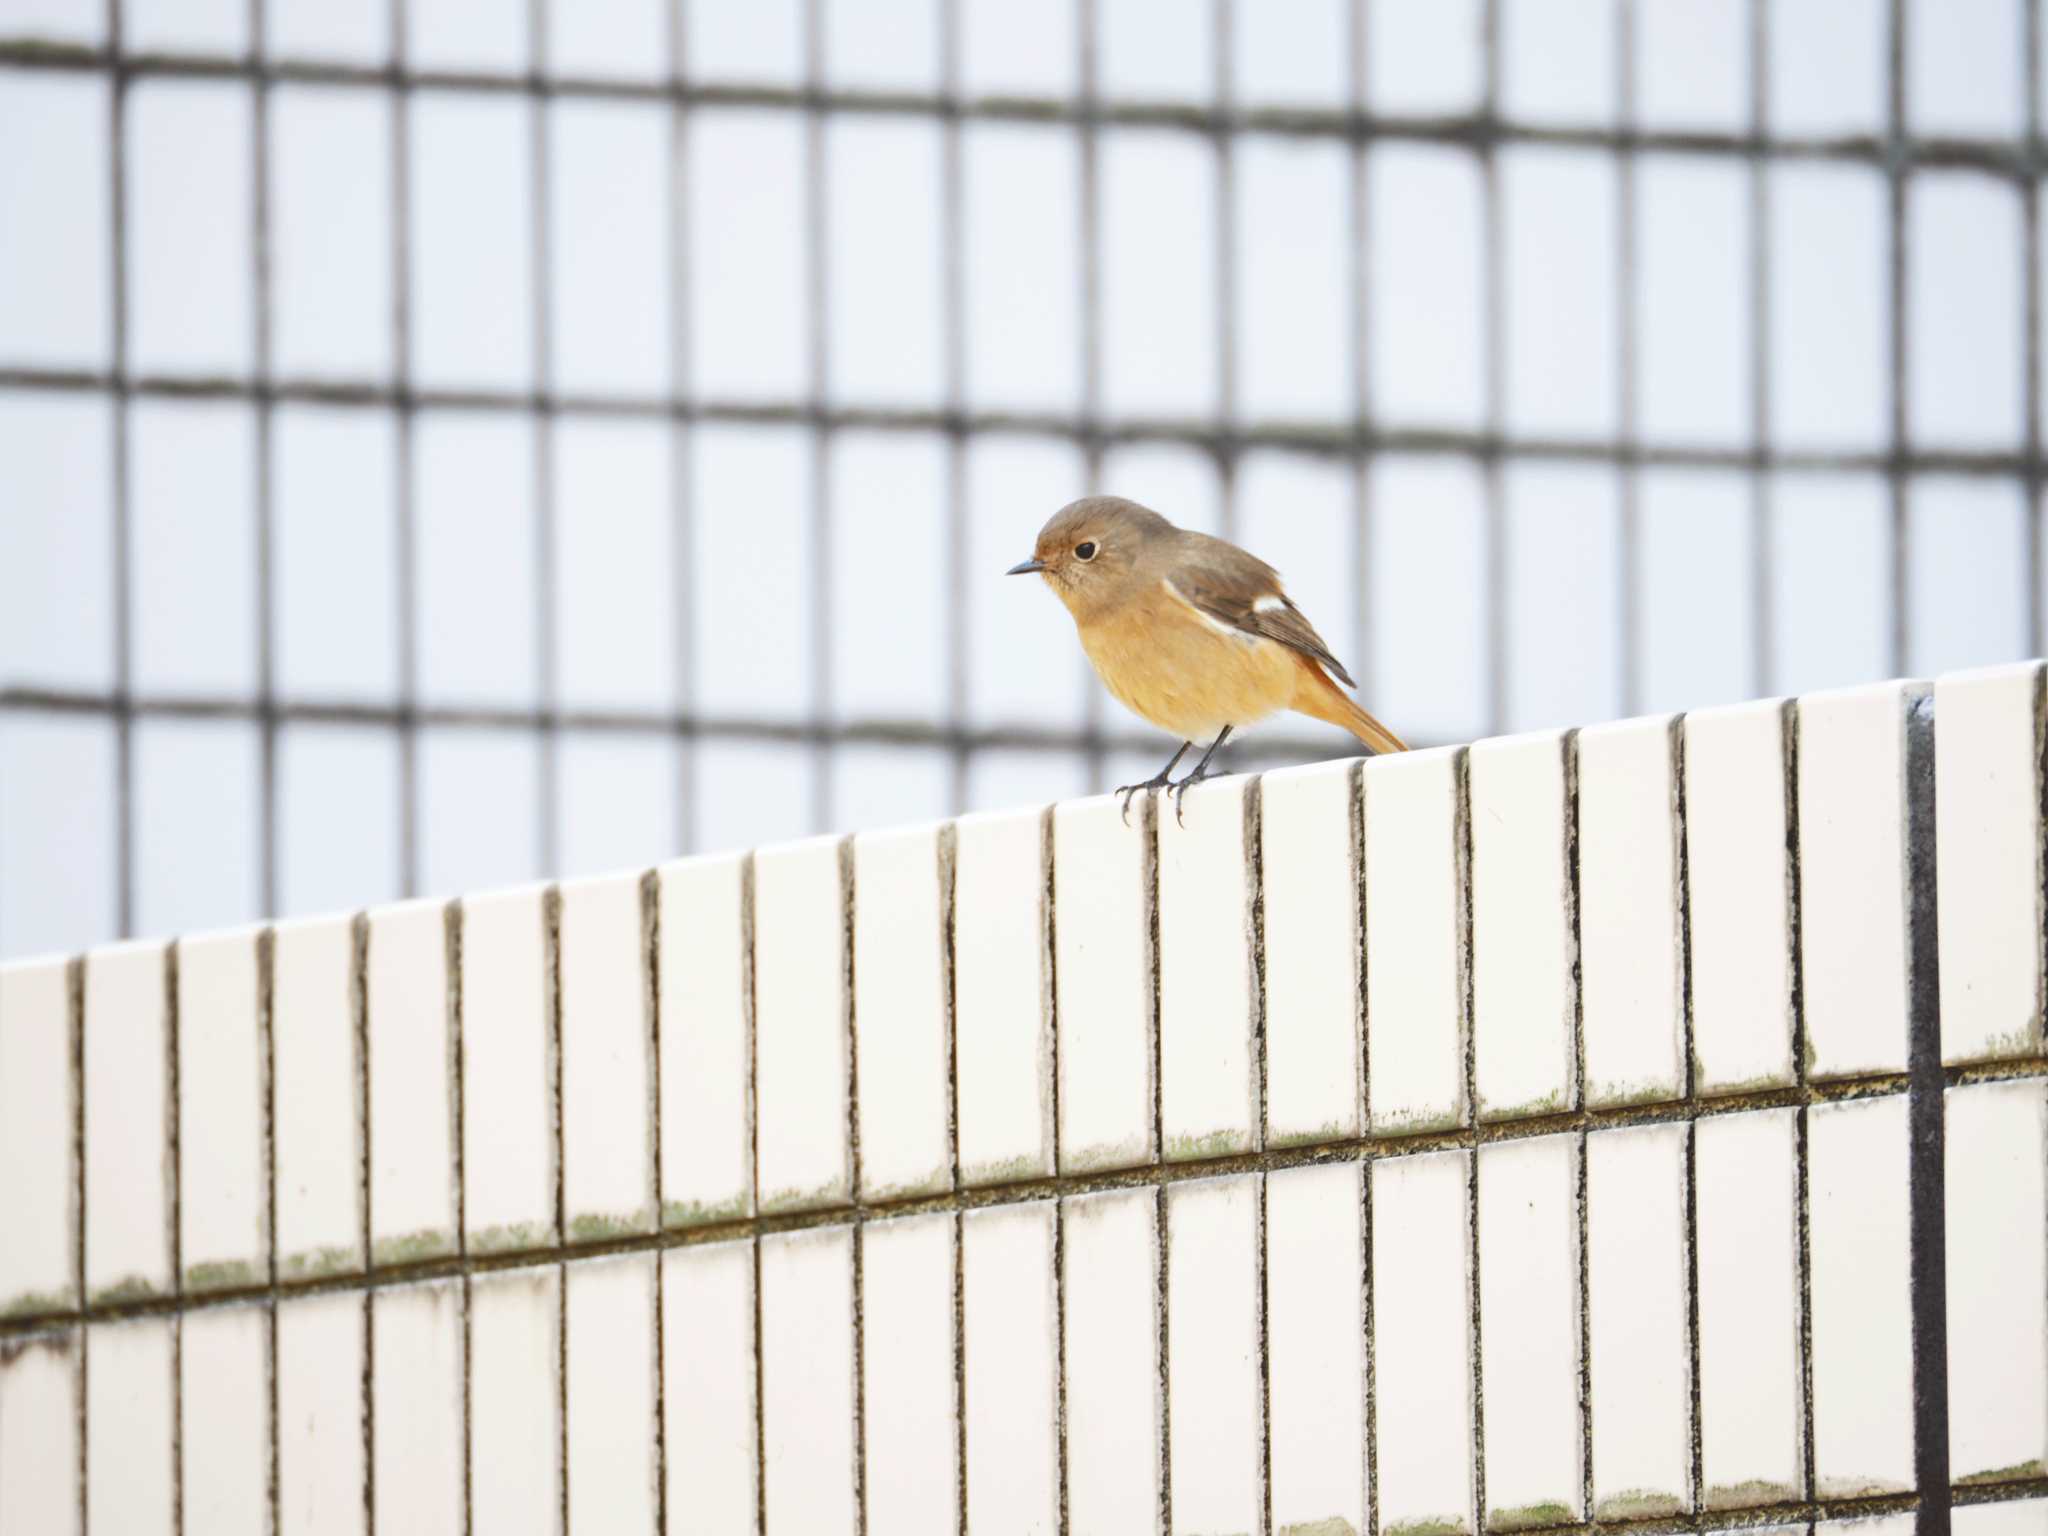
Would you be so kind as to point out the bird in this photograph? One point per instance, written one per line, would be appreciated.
(1189, 632)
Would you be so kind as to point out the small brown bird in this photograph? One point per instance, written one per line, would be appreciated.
(1189, 632)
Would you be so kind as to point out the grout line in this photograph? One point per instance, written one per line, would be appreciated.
(1368, 1326)
(1494, 355)
(1368, 1151)
(650, 963)
(1468, 1047)
(816, 235)
(540, 92)
(1926, 1108)
(948, 874)
(452, 929)
(406, 557)
(760, 1414)
(850, 1022)
(1802, 1182)
(1061, 1464)
(1254, 844)
(1050, 1141)
(359, 1011)
(1164, 1362)
(953, 330)
(74, 1008)
(1582, 1227)
(265, 422)
(551, 927)
(1898, 359)
(1264, 1258)
(173, 1228)
(266, 999)
(682, 447)
(753, 1201)
(1368, 1383)
(959, 1327)
(1763, 665)
(122, 499)
(1689, 1067)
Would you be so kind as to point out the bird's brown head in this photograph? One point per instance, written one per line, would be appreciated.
(1091, 550)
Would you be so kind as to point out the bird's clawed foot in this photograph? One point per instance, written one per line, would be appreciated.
(1159, 780)
(1180, 790)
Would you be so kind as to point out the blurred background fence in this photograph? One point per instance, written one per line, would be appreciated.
(446, 442)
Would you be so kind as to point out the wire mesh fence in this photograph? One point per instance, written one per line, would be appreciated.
(609, 419)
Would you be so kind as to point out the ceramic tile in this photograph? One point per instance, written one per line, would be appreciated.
(2028, 1517)
(607, 1132)
(707, 1321)
(1522, 1002)
(1207, 1000)
(418, 1380)
(1529, 1316)
(1011, 1360)
(1104, 1003)
(1852, 873)
(1111, 1247)
(129, 1481)
(515, 1422)
(39, 1435)
(1414, 1056)
(224, 1360)
(800, 1007)
(1628, 913)
(127, 1174)
(221, 1161)
(320, 1416)
(1002, 980)
(1735, 819)
(899, 1012)
(1636, 1287)
(1997, 1282)
(37, 1199)
(1987, 860)
(412, 1185)
(1750, 1415)
(1421, 1342)
(907, 1288)
(612, 1471)
(1213, 1357)
(315, 1059)
(1309, 858)
(1862, 1304)
(706, 1151)
(507, 1073)
(1316, 1350)
(807, 1381)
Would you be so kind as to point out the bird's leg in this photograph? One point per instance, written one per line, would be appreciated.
(1201, 772)
(1158, 781)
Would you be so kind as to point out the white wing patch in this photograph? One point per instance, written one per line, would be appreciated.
(1205, 616)
(1269, 605)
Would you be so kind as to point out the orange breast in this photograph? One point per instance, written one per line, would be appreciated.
(1185, 673)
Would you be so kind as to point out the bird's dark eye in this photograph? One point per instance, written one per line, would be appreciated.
(1085, 551)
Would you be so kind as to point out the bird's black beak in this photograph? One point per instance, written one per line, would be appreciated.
(1025, 568)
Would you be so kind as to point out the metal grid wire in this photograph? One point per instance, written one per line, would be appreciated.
(1922, 1086)
(1223, 125)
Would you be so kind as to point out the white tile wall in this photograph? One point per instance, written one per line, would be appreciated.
(37, 1097)
(1997, 1204)
(1212, 1354)
(706, 1149)
(224, 1371)
(515, 1424)
(907, 1379)
(707, 1349)
(1529, 1332)
(1113, 1445)
(1002, 983)
(1010, 1361)
(1751, 1415)
(2021, 1518)
(1207, 991)
(417, 1344)
(1104, 1002)
(1309, 859)
(1636, 1289)
(610, 1318)
(412, 1176)
(39, 1434)
(317, 1136)
(1413, 1004)
(320, 1416)
(1315, 1343)
(607, 1130)
(1735, 820)
(508, 1156)
(1862, 1313)
(127, 1172)
(1852, 873)
(1522, 946)
(1422, 1342)
(222, 1165)
(1628, 913)
(899, 1012)
(800, 1025)
(130, 1484)
(1988, 845)
(807, 1382)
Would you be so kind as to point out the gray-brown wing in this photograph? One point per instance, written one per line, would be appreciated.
(1241, 590)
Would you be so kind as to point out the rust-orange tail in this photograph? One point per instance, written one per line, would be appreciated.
(1315, 694)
